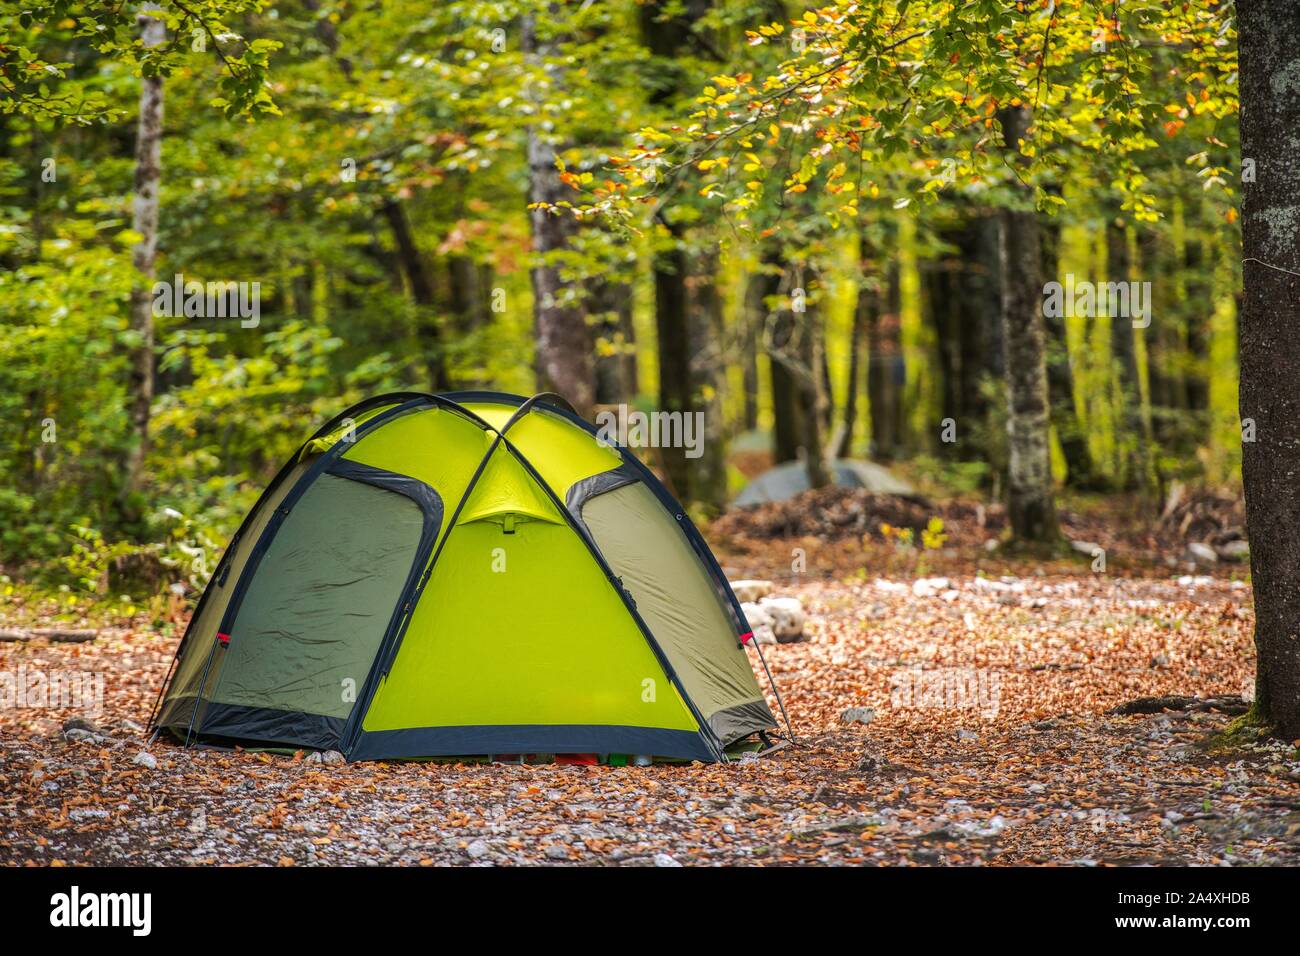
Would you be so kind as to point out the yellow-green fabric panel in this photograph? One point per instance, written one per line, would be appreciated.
(674, 595)
(505, 488)
(439, 447)
(203, 630)
(327, 441)
(559, 450)
(547, 640)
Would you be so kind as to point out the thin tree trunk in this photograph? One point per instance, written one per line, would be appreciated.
(672, 328)
(1060, 377)
(1270, 350)
(709, 470)
(886, 372)
(865, 311)
(751, 330)
(564, 342)
(1031, 511)
(422, 292)
(144, 221)
(611, 301)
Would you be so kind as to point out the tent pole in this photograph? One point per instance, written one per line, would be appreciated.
(772, 683)
(203, 683)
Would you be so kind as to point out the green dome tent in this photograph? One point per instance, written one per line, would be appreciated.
(460, 575)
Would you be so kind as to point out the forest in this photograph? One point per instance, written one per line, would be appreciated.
(1028, 266)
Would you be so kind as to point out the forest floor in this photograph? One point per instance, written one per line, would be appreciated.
(982, 735)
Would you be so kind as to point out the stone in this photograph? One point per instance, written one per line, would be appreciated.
(80, 723)
(760, 622)
(1199, 553)
(751, 591)
(858, 715)
(930, 587)
(333, 758)
(477, 850)
(146, 760)
(663, 859)
(554, 851)
(1238, 550)
(964, 734)
(787, 618)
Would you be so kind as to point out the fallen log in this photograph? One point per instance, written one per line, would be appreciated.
(57, 634)
(1224, 704)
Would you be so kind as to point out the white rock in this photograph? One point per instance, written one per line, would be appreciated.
(858, 715)
(333, 757)
(1234, 551)
(787, 618)
(663, 859)
(760, 622)
(477, 850)
(146, 760)
(751, 591)
(1201, 553)
(929, 587)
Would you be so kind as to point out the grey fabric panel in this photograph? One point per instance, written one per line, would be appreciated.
(742, 720)
(203, 630)
(598, 484)
(676, 597)
(322, 598)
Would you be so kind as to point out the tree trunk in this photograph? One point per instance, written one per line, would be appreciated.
(422, 292)
(865, 311)
(144, 221)
(755, 319)
(1031, 511)
(886, 373)
(1079, 471)
(672, 328)
(611, 302)
(1270, 349)
(564, 341)
(668, 30)
(708, 471)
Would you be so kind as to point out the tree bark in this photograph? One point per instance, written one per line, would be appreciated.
(672, 329)
(564, 340)
(422, 292)
(144, 221)
(886, 372)
(708, 471)
(1079, 471)
(1270, 349)
(1031, 511)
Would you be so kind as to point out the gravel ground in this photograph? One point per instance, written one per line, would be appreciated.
(977, 734)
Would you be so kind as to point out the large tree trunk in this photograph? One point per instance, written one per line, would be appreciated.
(1031, 511)
(668, 30)
(1270, 349)
(144, 221)
(564, 341)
